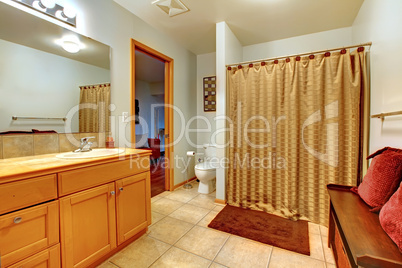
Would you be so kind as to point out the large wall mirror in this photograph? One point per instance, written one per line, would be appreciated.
(38, 78)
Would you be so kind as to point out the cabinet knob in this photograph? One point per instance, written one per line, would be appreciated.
(121, 189)
(17, 220)
(112, 192)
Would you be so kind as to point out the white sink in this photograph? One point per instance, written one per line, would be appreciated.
(91, 154)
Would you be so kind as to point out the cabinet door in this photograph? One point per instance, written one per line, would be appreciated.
(133, 205)
(49, 258)
(87, 225)
(28, 231)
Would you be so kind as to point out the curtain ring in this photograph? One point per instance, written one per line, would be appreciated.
(240, 67)
(311, 57)
(287, 60)
(276, 61)
(327, 54)
(229, 68)
(263, 63)
(250, 65)
(298, 58)
(343, 51)
(360, 49)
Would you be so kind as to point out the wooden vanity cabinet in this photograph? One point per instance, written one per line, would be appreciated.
(75, 215)
(133, 213)
(28, 231)
(87, 225)
(95, 221)
(25, 193)
(48, 258)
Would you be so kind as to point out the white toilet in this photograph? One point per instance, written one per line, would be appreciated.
(206, 171)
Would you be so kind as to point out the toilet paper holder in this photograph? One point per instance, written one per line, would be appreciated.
(187, 185)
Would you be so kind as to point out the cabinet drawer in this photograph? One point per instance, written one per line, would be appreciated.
(49, 258)
(28, 231)
(20, 194)
(84, 178)
(339, 251)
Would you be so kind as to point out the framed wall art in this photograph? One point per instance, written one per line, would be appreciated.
(209, 94)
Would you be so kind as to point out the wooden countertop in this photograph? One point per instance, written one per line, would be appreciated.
(18, 168)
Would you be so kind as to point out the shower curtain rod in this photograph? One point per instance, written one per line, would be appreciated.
(106, 83)
(302, 54)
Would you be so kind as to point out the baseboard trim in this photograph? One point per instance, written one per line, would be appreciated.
(220, 201)
(182, 183)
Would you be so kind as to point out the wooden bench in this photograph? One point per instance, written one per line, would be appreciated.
(355, 234)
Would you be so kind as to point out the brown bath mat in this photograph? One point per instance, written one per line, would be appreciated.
(263, 227)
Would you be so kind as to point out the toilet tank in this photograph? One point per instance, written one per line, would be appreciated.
(210, 151)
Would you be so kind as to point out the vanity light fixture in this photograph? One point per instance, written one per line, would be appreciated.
(70, 44)
(66, 14)
(42, 5)
(171, 7)
(47, 3)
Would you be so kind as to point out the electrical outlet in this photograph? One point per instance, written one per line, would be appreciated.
(125, 116)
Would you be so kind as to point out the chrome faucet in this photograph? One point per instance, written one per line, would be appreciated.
(85, 145)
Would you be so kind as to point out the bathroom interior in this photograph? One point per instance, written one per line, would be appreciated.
(168, 77)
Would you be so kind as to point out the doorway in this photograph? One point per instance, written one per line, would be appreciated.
(154, 127)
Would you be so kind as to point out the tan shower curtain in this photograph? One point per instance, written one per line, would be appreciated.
(94, 113)
(296, 128)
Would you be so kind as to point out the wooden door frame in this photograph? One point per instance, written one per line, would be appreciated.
(135, 45)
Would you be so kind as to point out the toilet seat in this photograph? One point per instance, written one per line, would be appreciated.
(205, 166)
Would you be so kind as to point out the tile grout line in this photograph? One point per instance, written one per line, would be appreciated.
(322, 245)
(161, 254)
(219, 251)
(173, 245)
(270, 255)
(194, 225)
(173, 210)
(168, 215)
(170, 245)
(193, 254)
(187, 221)
(113, 264)
(176, 240)
(323, 252)
(196, 206)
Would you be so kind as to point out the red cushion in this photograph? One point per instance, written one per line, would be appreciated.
(378, 152)
(382, 178)
(391, 218)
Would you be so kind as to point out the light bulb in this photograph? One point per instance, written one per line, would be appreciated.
(70, 43)
(70, 46)
(48, 3)
(38, 5)
(60, 15)
(69, 12)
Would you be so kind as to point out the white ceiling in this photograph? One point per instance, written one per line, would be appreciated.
(252, 21)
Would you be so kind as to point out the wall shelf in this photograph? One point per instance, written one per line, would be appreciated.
(383, 115)
(38, 118)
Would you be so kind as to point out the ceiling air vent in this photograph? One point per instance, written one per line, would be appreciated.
(171, 7)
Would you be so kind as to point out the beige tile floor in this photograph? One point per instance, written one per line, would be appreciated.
(179, 237)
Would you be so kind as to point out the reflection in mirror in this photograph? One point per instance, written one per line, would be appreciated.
(38, 78)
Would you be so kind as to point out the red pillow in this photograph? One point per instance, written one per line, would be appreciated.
(378, 152)
(382, 179)
(391, 218)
